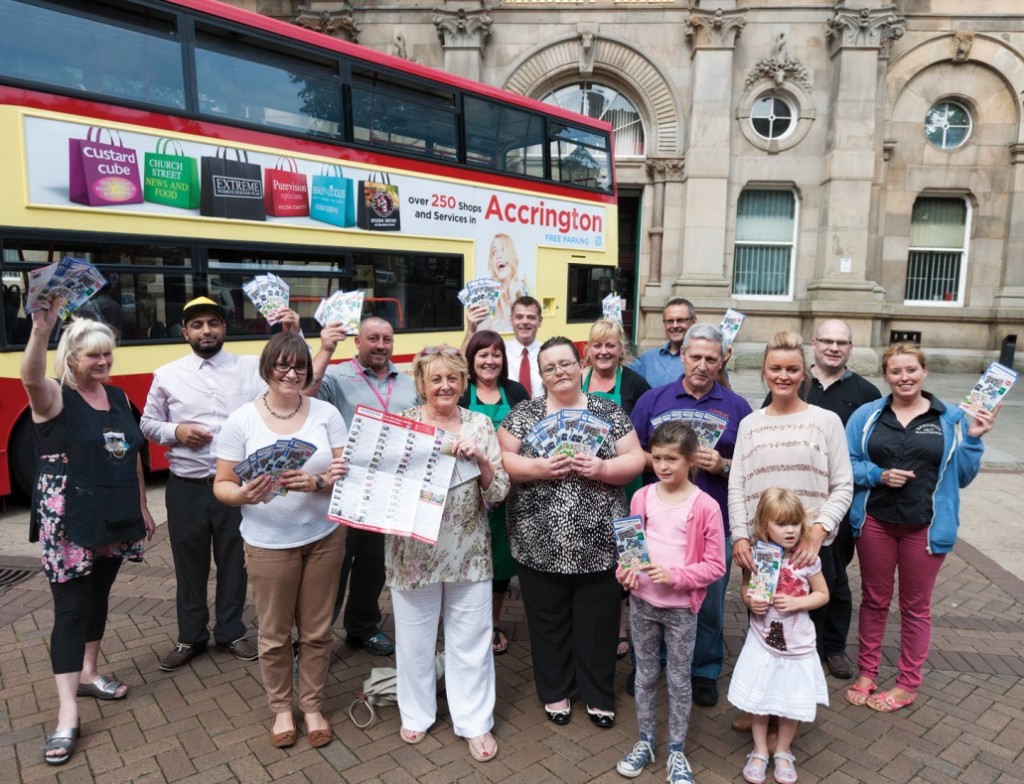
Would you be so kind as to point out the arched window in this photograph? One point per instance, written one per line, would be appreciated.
(604, 103)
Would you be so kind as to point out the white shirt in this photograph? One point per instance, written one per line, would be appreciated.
(514, 350)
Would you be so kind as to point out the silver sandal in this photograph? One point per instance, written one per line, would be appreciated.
(103, 688)
(60, 740)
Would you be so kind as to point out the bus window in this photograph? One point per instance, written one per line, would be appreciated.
(499, 137)
(403, 117)
(588, 285)
(102, 50)
(580, 157)
(413, 291)
(255, 85)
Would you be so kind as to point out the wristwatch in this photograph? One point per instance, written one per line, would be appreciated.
(320, 482)
(726, 467)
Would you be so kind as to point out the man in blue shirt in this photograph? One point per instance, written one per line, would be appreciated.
(699, 391)
(662, 365)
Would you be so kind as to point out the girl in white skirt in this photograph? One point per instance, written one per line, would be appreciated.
(778, 672)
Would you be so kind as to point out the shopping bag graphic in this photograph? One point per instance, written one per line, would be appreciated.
(231, 188)
(285, 191)
(378, 204)
(103, 173)
(332, 197)
(170, 177)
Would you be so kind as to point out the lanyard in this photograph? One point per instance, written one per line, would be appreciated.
(384, 402)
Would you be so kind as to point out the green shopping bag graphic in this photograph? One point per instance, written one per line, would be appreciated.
(171, 178)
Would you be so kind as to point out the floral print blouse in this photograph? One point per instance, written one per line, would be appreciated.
(463, 550)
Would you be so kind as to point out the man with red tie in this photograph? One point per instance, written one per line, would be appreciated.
(523, 349)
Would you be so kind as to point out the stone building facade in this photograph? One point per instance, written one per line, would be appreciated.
(792, 160)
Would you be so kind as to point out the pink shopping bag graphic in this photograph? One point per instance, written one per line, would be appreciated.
(102, 173)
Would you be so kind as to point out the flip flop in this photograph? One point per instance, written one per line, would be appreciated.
(61, 740)
(477, 751)
(497, 646)
(886, 702)
(103, 688)
(857, 694)
(619, 653)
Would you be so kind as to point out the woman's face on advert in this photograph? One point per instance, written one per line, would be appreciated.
(487, 364)
(502, 264)
(784, 372)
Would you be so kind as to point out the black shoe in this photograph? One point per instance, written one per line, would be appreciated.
(839, 666)
(377, 644)
(603, 719)
(182, 654)
(705, 692)
(559, 717)
(631, 683)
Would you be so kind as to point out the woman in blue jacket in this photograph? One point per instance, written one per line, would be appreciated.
(911, 454)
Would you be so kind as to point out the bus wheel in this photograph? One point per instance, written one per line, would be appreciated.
(22, 460)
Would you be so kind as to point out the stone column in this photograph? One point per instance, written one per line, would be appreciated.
(665, 176)
(856, 39)
(700, 272)
(1011, 293)
(463, 29)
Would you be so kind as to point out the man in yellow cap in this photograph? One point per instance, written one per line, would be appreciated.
(188, 402)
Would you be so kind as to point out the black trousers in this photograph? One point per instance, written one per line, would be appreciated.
(199, 524)
(832, 622)
(574, 625)
(362, 574)
(80, 614)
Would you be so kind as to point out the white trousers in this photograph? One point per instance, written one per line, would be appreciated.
(468, 660)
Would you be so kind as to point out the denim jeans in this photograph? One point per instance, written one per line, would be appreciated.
(709, 649)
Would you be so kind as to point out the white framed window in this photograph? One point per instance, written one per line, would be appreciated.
(605, 103)
(772, 116)
(937, 258)
(765, 249)
(948, 124)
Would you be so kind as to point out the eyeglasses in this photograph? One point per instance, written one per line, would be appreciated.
(836, 343)
(450, 351)
(284, 368)
(565, 367)
(679, 321)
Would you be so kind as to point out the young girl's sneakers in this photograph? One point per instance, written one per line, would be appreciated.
(632, 765)
(678, 769)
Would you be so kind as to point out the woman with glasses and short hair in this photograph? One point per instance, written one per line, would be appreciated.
(293, 552)
(559, 514)
(451, 578)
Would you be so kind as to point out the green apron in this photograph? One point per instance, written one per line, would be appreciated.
(616, 397)
(501, 555)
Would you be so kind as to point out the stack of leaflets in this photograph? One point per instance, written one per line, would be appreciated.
(990, 389)
(268, 293)
(73, 279)
(570, 431)
(274, 459)
(630, 542)
(731, 323)
(763, 582)
(481, 291)
(611, 308)
(708, 426)
(345, 308)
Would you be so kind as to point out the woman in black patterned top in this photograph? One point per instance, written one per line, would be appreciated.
(559, 514)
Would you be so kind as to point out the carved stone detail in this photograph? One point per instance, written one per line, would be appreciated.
(329, 22)
(864, 27)
(716, 29)
(778, 66)
(587, 34)
(666, 169)
(961, 43)
(463, 28)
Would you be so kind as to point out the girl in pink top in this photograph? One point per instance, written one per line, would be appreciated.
(686, 541)
(778, 672)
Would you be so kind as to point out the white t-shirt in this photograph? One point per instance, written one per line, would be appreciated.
(295, 519)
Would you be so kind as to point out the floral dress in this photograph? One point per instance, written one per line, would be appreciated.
(62, 559)
(463, 550)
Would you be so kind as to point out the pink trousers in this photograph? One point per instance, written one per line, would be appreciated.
(883, 550)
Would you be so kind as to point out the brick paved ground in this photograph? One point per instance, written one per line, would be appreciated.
(207, 723)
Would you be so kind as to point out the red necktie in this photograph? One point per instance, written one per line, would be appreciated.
(524, 372)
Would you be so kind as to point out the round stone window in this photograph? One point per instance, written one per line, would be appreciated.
(948, 125)
(772, 117)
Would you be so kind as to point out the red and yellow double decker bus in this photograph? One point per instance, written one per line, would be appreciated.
(184, 146)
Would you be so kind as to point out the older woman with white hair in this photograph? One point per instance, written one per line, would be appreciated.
(452, 578)
(89, 507)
